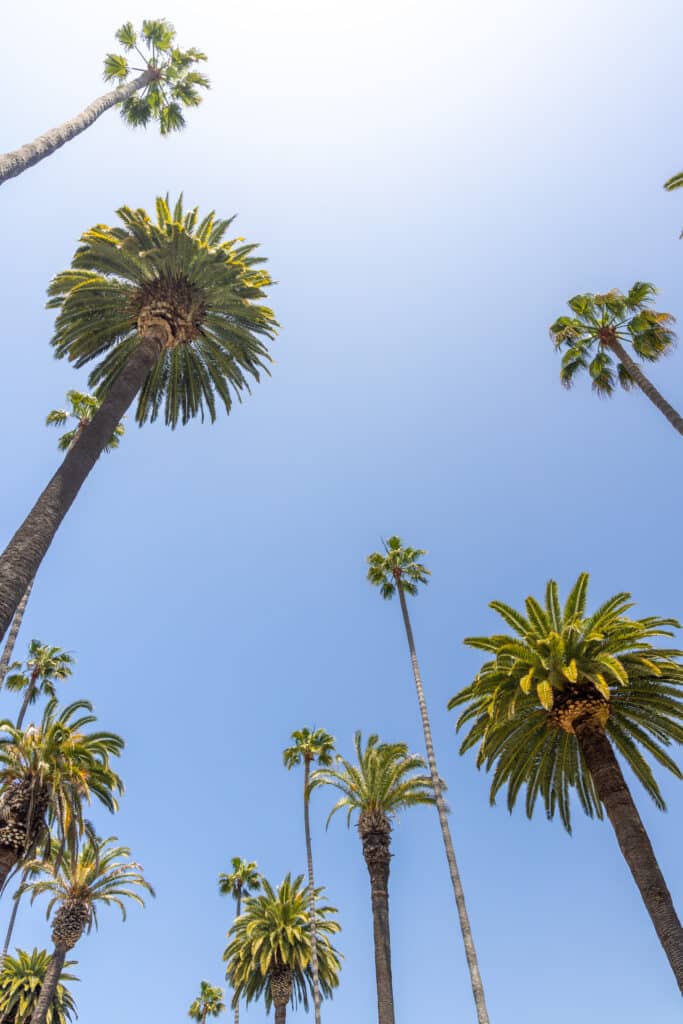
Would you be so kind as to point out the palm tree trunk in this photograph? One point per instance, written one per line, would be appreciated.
(49, 986)
(14, 163)
(648, 389)
(12, 922)
(281, 1014)
(21, 558)
(465, 927)
(311, 895)
(13, 633)
(377, 858)
(632, 838)
(8, 858)
(239, 911)
(30, 690)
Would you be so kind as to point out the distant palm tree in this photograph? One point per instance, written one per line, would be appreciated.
(169, 312)
(209, 1003)
(310, 747)
(398, 569)
(45, 666)
(242, 881)
(560, 693)
(269, 953)
(168, 82)
(21, 979)
(599, 329)
(384, 780)
(100, 872)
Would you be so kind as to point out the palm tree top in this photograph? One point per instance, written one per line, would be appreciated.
(397, 564)
(209, 1003)
(21, 977)
(597, 321)
(45, 665)
(310, 746)
(558, 665)
(82, 408)
(242, 880)
(182, 277)
(174, 81)
(385, 779)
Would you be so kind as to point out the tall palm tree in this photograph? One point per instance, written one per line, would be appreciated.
(100, 872)
(384, 780)
(167, 82)
(47, 773)
(21, 979)
(269, 953)
(398, 570)
(168, 311)
(595, 335)
(311, 746)
(209, 1003)
(558, 695)
(45, 666)
(239, 883)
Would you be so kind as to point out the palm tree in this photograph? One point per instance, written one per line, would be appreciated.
(209, 1003)
(47, 773)
(384, 781)
(21, 980)
(45, 666)
(166, 83)
(242, 881)
(596, 334)
(10, 643)
(310, 747)
(398, 569)
(169, 312)
(559, 694)
(98, 872)
(269, 953)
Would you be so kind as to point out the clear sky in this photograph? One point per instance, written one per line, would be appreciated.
(430, 182)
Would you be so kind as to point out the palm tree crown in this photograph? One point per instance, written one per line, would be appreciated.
(209, 1003)
(182, 276)
(269, 953)
(174, 82)
(398, 563)
(600, 321)
(243, 880)
(310, 745)
(82, 409)
(45, 666)
(559, 665)
(21, 978)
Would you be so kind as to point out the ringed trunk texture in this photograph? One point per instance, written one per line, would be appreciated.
(21, 558)
(49, 986)
(281, 991)
(633, 840)
(281, 1014)
(19, 160)
(13, 633)
(377, 857)
(465, 927)
(648, 389)
(239, 911)
(311, 896)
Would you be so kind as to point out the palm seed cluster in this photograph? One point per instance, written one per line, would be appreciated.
(168, 313)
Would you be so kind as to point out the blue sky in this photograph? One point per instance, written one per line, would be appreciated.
(430, 182)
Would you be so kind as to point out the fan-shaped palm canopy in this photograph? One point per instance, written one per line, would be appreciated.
(310, 745)
(180, 275)
(82, 409)
(558, 665)
(45, 666)
(209, 1003)
(599, 320)
(21, 977)
(272, 935)
(174, 83)
(243, 879)
(397, 563)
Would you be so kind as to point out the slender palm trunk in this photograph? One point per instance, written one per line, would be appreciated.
(21, 558)
(377, 857)
(49, 986)
(465, 927)
(12, 922)
(648, 389)
(633, 839)
(239, 911)
(311, 895)
(281, 1013)
(28, 697)
(13, 633)
(14, 163)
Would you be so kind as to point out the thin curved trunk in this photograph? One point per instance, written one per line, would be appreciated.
(21, 559)
(465, 927)
(648, 389)
(19, 160)
(311, 896)
(13, 633)
(12, 922)
(49, 986)
(239, 911)
(377, 858)
(28, 697)
(633, 840)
